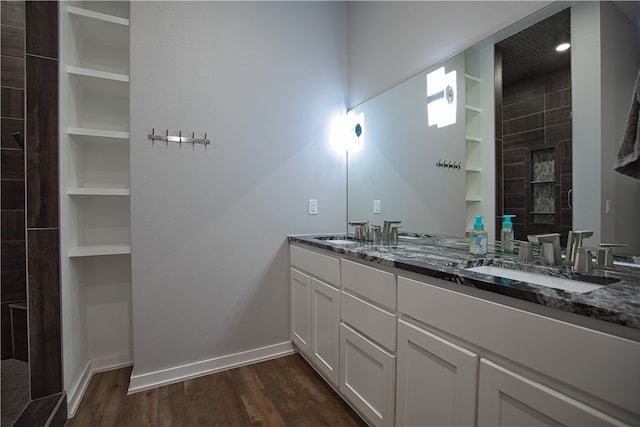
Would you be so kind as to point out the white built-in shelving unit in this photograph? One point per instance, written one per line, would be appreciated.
(94, 188)
(473, 142)
(479, 137)
(97, 126)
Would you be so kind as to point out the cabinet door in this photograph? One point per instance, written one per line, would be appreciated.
(325, 328)
(508, 399)
(367, 377)
(301, 310)
(436, 380)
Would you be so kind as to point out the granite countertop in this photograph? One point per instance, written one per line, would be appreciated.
(447, 257)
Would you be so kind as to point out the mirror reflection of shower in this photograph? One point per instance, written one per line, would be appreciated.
(533, 128)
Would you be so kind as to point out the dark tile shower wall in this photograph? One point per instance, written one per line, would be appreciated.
(42, 179)
(536, 115)
(30, 186)
(12, 207)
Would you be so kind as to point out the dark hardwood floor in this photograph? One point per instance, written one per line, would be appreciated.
(280, 392)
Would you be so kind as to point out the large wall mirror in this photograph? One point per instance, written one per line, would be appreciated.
(536, 134)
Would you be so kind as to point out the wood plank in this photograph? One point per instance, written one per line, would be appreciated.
(279, 392)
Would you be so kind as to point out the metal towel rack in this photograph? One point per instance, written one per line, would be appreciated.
(166, 138)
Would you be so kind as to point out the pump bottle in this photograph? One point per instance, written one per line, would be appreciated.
(506, 234)
(478, 238)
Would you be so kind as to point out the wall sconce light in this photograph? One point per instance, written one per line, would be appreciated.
(441, 97)
(347, 133)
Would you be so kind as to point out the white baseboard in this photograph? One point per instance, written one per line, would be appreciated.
(77, 389)
(164, 377)
(93, 366)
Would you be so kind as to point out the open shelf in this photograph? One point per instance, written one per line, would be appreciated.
(98, 250)
(98, 191)
(93, 18)
(101, 82)
(474, 139)
(98, 40)
(98, 135)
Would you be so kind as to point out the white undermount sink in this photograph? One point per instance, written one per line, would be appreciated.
(537, 279)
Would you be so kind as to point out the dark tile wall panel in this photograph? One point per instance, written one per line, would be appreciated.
(523, 91)
(12, 13)
(12, 225)
(59, 417)
(38, 411)
(5, 321)
(12, 41)
(532, 138)
(13, 255)
(29, 48)
(12, 164)
(12, 194)
(42, 146)
(497, 80)
(9, 127)
(12, 72)
(14, 286)
(523, 124)
(561, 98)
(523, 108)
(536, 114)
(19, 334)
(12, 103)
(44, 312)
(42, 28)
(12, 215)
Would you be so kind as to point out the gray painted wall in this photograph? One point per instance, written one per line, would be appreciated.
(601, 100)
(398, 164)
(620, 40)
(210, 258)
(392, 41)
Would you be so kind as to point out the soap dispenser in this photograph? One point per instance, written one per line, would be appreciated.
(478, 238)
(506, 234)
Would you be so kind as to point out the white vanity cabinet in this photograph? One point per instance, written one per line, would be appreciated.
(315, 309)
(368, 341)
(418, 351)
(437, 380)
(533, 369)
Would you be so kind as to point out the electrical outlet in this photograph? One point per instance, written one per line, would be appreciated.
(376, 206)
(313, 206)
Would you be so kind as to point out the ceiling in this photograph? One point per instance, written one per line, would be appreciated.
(531, 52)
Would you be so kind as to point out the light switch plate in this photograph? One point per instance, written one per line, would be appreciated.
(313, 206)
(376, 206)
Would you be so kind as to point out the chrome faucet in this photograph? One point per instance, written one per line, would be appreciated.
(574, 241)
(388, 232)
(550, 247)
(605, 254)
(361, 229)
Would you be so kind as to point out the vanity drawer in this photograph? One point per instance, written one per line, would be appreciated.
(322, 266)
(372, 321)
(376, 285)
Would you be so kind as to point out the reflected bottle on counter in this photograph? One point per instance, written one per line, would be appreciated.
(478, 238)
(506, 234)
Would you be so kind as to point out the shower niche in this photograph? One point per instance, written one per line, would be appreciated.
(543, 186)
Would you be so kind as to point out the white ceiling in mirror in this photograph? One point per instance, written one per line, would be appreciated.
(390, 41)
